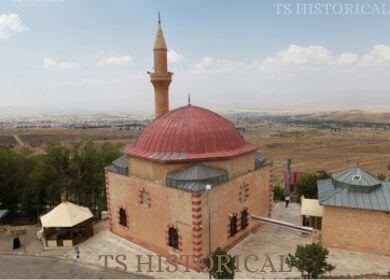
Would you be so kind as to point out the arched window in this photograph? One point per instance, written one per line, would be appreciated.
(233, 225)
(122, 217)
(244, 219)
(173, 238)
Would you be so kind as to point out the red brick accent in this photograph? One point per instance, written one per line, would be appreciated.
(196, 202)
(197, 227)
(108, 199)
(196, 195)
(197, 216)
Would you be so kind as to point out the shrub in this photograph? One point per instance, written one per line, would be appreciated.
(381, 177)
(278, 192)
(222, 265)
(310, 260)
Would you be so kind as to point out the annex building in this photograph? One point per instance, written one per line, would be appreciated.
(355, 211)
(190, 181)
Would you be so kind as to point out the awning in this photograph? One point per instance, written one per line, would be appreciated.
(66, 214)
(311, 207)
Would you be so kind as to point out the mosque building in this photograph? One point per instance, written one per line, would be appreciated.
(190, 181)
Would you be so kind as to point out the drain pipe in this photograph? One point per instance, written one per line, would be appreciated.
(281, 224)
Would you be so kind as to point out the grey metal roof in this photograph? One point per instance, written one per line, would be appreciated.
(261, 160)
(196, 177)
(118, 166)
(377, 198)
(3, 213)
(356, 177)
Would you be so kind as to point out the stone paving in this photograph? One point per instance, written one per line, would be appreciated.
(268, 240)
(107, 243)
(28, 240)
(27, 267)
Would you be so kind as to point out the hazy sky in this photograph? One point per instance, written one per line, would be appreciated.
(84, 55)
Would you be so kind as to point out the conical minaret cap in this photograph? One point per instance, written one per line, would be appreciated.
(159, 42)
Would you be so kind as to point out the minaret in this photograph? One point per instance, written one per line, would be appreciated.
(160, 78)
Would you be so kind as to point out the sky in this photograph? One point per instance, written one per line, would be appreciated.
(70, 56)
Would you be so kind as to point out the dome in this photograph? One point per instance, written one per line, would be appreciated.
(189, 133)
(356, 176)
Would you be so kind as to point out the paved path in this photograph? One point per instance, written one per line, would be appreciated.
(42, 267)
(17, 138)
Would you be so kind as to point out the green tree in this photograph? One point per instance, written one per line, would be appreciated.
(10, 183)
(32, 199)
(278, 192)
(57, 172)
(323, 174)
(307, 185)
(310, 260)
(220, 264)
(14, 169)
(29, 182)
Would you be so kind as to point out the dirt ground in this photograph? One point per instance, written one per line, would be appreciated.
(315, 149)
(36, 137)
(312, 149)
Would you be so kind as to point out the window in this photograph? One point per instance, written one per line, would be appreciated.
(122, 217)
(244, 219)
(312, 221)
(233, 225)
(173, 238)
(244, 192)
(356, 178)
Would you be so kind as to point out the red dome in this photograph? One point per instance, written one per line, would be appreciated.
(189, 133)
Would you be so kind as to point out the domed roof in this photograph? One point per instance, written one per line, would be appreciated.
(356, 176)
(189, 133)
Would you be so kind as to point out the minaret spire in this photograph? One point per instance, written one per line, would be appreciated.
(189, 99)
(160, 78)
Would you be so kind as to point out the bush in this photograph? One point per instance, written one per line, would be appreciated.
(310, 260)
(222, 265)
(278, 193)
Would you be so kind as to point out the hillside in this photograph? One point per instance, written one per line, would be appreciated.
(346, 116)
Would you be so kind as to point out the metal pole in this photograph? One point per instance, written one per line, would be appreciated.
(208, 188)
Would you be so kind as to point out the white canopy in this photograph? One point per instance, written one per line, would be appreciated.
(311, 207)
(66, 214)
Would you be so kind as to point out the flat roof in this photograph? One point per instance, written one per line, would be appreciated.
(311, 207)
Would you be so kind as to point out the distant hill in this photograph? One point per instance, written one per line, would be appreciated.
(346, 116)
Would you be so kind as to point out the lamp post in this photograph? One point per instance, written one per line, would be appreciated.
(208, 188)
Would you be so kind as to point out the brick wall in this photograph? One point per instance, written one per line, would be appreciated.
(356, 230)
(148, 226)
(156, 171)
(186, 211)
(225, 201)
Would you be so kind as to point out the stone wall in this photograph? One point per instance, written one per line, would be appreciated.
(357, 230)
(156, 171)
(147, 225)
(225, 201)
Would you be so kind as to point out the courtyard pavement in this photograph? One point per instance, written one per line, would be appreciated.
(265, 248)
(27, 267)
(269, 241)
